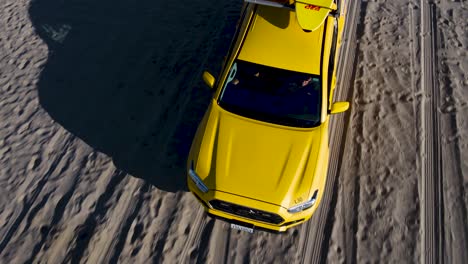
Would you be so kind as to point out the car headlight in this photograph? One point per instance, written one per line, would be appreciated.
(196, 179)
(306, 205)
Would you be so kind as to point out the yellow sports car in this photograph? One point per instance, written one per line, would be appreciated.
(260, 154)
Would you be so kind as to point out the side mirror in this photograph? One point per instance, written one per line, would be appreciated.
(339, 107)
(208, 79)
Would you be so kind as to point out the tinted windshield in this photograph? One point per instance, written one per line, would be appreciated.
(272, 95)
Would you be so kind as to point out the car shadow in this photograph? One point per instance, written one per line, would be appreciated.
(279, 18)
(125, 76)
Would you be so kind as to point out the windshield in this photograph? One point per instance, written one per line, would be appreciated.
(272, 95)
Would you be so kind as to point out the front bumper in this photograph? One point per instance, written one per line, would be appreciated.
(289, 220)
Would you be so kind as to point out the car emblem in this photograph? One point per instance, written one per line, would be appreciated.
(251, 211)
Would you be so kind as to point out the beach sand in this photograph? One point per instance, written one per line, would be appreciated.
(99, 102)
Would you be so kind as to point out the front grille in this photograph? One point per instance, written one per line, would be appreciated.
(246, 212)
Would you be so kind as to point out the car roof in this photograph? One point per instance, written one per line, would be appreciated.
(275, 39)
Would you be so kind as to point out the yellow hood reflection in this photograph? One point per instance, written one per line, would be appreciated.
(257, 160)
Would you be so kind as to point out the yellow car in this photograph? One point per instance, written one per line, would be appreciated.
(260, 154)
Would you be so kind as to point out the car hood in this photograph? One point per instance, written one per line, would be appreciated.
(262, 161)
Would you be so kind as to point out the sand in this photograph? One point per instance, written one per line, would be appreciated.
(99, 102)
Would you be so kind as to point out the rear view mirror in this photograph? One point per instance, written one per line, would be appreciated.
(208, 79)
(339, 107)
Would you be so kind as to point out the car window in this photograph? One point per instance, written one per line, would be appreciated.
(331, 64)
(272, 95)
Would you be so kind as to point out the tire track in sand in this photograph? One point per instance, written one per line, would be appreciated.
(200, 225)
(87, 229)
(194, 236)
(314, 235)
(63, 139)
(423, 63)
(221, 243)
(431, 173)
(451, 44)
